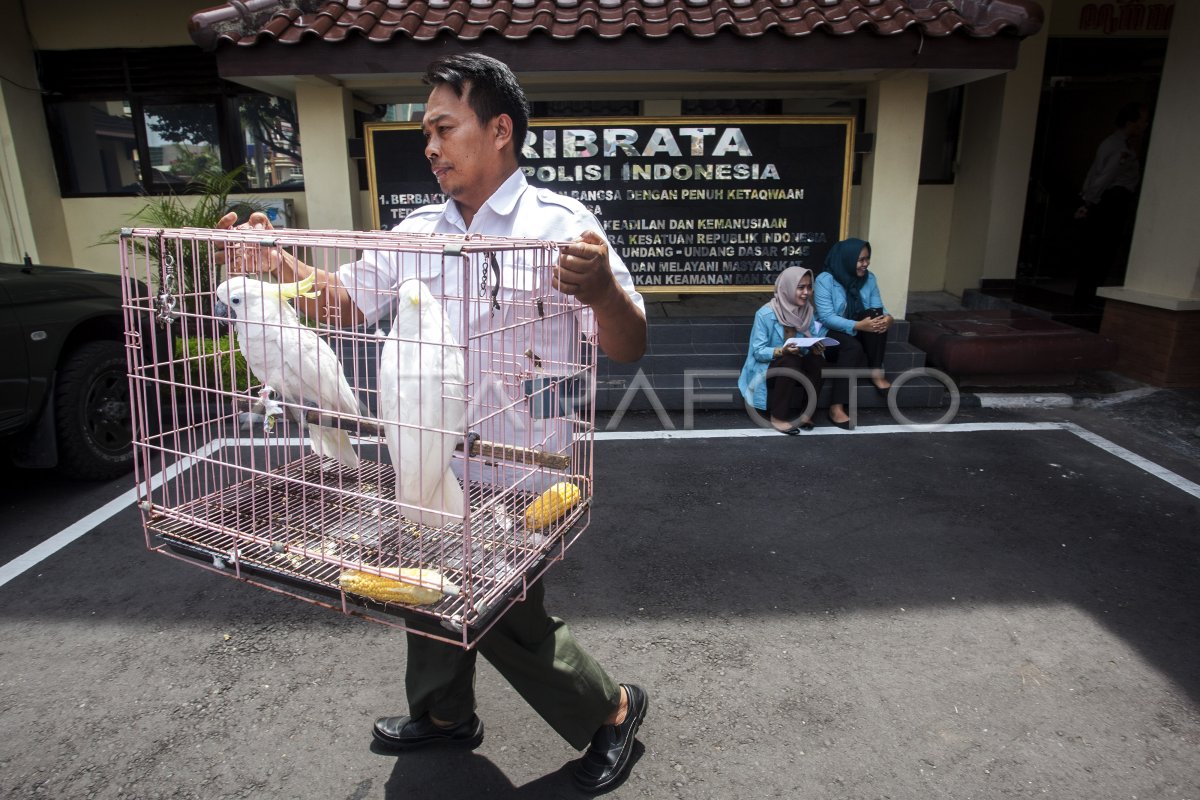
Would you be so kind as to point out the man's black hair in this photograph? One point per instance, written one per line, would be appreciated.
(493, 89)
(1130, 112)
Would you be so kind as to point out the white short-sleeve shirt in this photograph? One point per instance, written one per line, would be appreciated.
(498, 353)
(516, 210)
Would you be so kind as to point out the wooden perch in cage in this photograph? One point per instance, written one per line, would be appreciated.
(521, 455)
(503, 452)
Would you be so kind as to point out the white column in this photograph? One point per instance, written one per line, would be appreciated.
(1014, 156)
(896, 115)
(325, 110)
(999, 125)
(1164, 257)
(31, 212)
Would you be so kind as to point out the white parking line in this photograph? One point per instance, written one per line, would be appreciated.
(33, 557)
(1144, 464)
(741, 433)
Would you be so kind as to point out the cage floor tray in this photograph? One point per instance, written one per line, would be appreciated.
(301, 524)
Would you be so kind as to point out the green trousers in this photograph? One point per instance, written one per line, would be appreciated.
(534, 652)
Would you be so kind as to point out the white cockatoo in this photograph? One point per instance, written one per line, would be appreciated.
(423, 406)
(289, 356)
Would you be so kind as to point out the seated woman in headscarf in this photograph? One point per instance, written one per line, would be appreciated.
(848, 304)
(769, 382)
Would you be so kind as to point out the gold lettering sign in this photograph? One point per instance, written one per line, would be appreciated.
(699, 204)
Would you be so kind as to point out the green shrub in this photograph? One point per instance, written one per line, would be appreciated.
(211, 189)
(214, 359)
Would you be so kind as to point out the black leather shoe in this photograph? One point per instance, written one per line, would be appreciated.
(607, 759)
(406, 733)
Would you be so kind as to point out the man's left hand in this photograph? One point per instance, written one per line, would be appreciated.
(583, 270)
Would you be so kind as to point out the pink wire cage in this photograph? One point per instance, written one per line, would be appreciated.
(228, 469)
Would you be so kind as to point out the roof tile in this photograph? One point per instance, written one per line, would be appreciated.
(246, 23)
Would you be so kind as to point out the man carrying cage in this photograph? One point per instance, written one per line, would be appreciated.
(474, 124)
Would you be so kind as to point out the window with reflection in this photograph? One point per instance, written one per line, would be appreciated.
(270, 142)
(182, 141)
(98, 150)
(151, 120)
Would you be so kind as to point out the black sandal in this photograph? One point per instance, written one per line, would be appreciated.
(846, 426)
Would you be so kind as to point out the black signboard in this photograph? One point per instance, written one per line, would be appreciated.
(690, 203)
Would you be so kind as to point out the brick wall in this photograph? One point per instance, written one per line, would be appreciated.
(1154, 345)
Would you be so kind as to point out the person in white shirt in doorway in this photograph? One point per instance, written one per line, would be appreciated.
(1108, 206)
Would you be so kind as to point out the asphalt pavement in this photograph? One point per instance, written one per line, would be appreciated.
(1002, 606)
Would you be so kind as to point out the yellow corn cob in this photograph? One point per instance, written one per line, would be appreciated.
(550, 505)
(416, 587)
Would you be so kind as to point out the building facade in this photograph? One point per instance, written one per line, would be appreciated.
(100, 103)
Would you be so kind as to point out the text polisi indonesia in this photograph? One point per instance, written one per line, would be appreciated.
(690, 203)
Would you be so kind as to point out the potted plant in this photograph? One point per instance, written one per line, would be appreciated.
(183, 277)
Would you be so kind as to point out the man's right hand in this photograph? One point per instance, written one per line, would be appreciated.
(245, 259)
(256, 220)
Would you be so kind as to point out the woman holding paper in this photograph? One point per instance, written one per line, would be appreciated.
(771, 380)
(849, 305)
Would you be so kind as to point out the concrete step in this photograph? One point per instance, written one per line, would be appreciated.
(707, 354)
(717, 390)
(991, 346)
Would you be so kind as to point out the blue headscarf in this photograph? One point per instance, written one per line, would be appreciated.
(841, 261)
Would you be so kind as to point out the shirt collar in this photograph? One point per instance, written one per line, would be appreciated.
(502, 202)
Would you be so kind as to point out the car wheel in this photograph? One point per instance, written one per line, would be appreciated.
(93, 414)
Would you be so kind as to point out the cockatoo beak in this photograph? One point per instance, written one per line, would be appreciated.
(223, 315)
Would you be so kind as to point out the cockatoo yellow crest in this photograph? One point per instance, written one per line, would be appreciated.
(301, 288)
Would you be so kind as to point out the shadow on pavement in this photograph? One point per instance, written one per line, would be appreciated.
(458, 775)
(776, 528)
(780, 527)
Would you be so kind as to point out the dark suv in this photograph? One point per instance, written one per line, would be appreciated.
(64, 390)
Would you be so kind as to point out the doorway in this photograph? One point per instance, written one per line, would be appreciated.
(1063, 257)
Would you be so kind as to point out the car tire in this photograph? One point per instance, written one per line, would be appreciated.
(92, 412)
